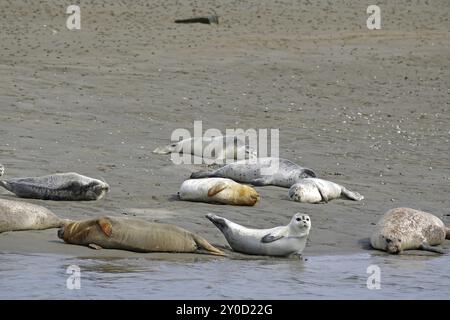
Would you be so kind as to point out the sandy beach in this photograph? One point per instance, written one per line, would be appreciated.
(367, 109)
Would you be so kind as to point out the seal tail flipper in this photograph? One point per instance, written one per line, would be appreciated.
(203, 244)
(352, 195)
(202, 174)
(162, 150)
(427, 247)
(219, 222)
(308, 173)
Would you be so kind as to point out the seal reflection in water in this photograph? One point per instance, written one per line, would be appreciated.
(61, 186)
(218, 190)
(278, 241)
(134, 235)
(408, 229)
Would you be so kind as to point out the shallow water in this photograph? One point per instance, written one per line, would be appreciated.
(318, 277)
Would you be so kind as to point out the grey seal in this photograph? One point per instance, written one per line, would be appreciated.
(261, 172)
(18, 216)
(402, 229)
(61, 186)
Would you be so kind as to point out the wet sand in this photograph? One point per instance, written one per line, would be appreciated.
(367, 109)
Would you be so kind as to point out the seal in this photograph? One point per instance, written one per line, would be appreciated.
(278, 241)
(61, 186)
(134, 235)
(219, 148)
(261, 172)
(19, 216)
(315, 190)
(402, 229)
(218, 190)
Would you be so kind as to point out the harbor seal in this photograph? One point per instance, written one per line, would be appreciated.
(19, 216)
(278, 241)
(408, 229)
(218, 190)
(285, 174)
(218, 148)
(134, 235)
(60, 186)
(315, 190)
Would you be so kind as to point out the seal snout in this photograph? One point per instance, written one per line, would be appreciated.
(61, 233)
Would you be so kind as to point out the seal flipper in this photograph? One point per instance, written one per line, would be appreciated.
(94, 246)
(271, 238)
(219, 222)
(425, 246)
(105, 225)
(203, 244)
(216, 189)
(259, 182)
(351, 194)
(322, 193)
(308, 173)
(202, 174)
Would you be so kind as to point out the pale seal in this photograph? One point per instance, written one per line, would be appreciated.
(408, 229)
(285, 172)
(218, 190)
(134, 235)
(18, 216)
(278, 241)
(61, 186)
(314, 190)
(218, 148)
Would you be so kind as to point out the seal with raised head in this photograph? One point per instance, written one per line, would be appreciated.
(218, 190)
(261, 172)
(61, 186)
(134, 235)
(278, 241)
(19, 216)
(402, 229)
(315, 190)
(218, 148)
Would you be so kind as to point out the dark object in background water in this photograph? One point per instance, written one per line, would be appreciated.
(206, 20)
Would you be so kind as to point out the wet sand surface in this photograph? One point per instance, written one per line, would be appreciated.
(367, 109)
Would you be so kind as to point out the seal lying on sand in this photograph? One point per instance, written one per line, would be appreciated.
(314, 190)
(261, 172)
(17, 216)
(218, 190)
(61, 186)
(278, 241)
(408, 229)
(134, 235)
(218, 148)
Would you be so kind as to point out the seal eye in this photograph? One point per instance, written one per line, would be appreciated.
(307, 219)
(298, 219)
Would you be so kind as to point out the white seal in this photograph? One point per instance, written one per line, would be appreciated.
(218, 190)
(218, 148)
(278, 241)
(315, 190)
